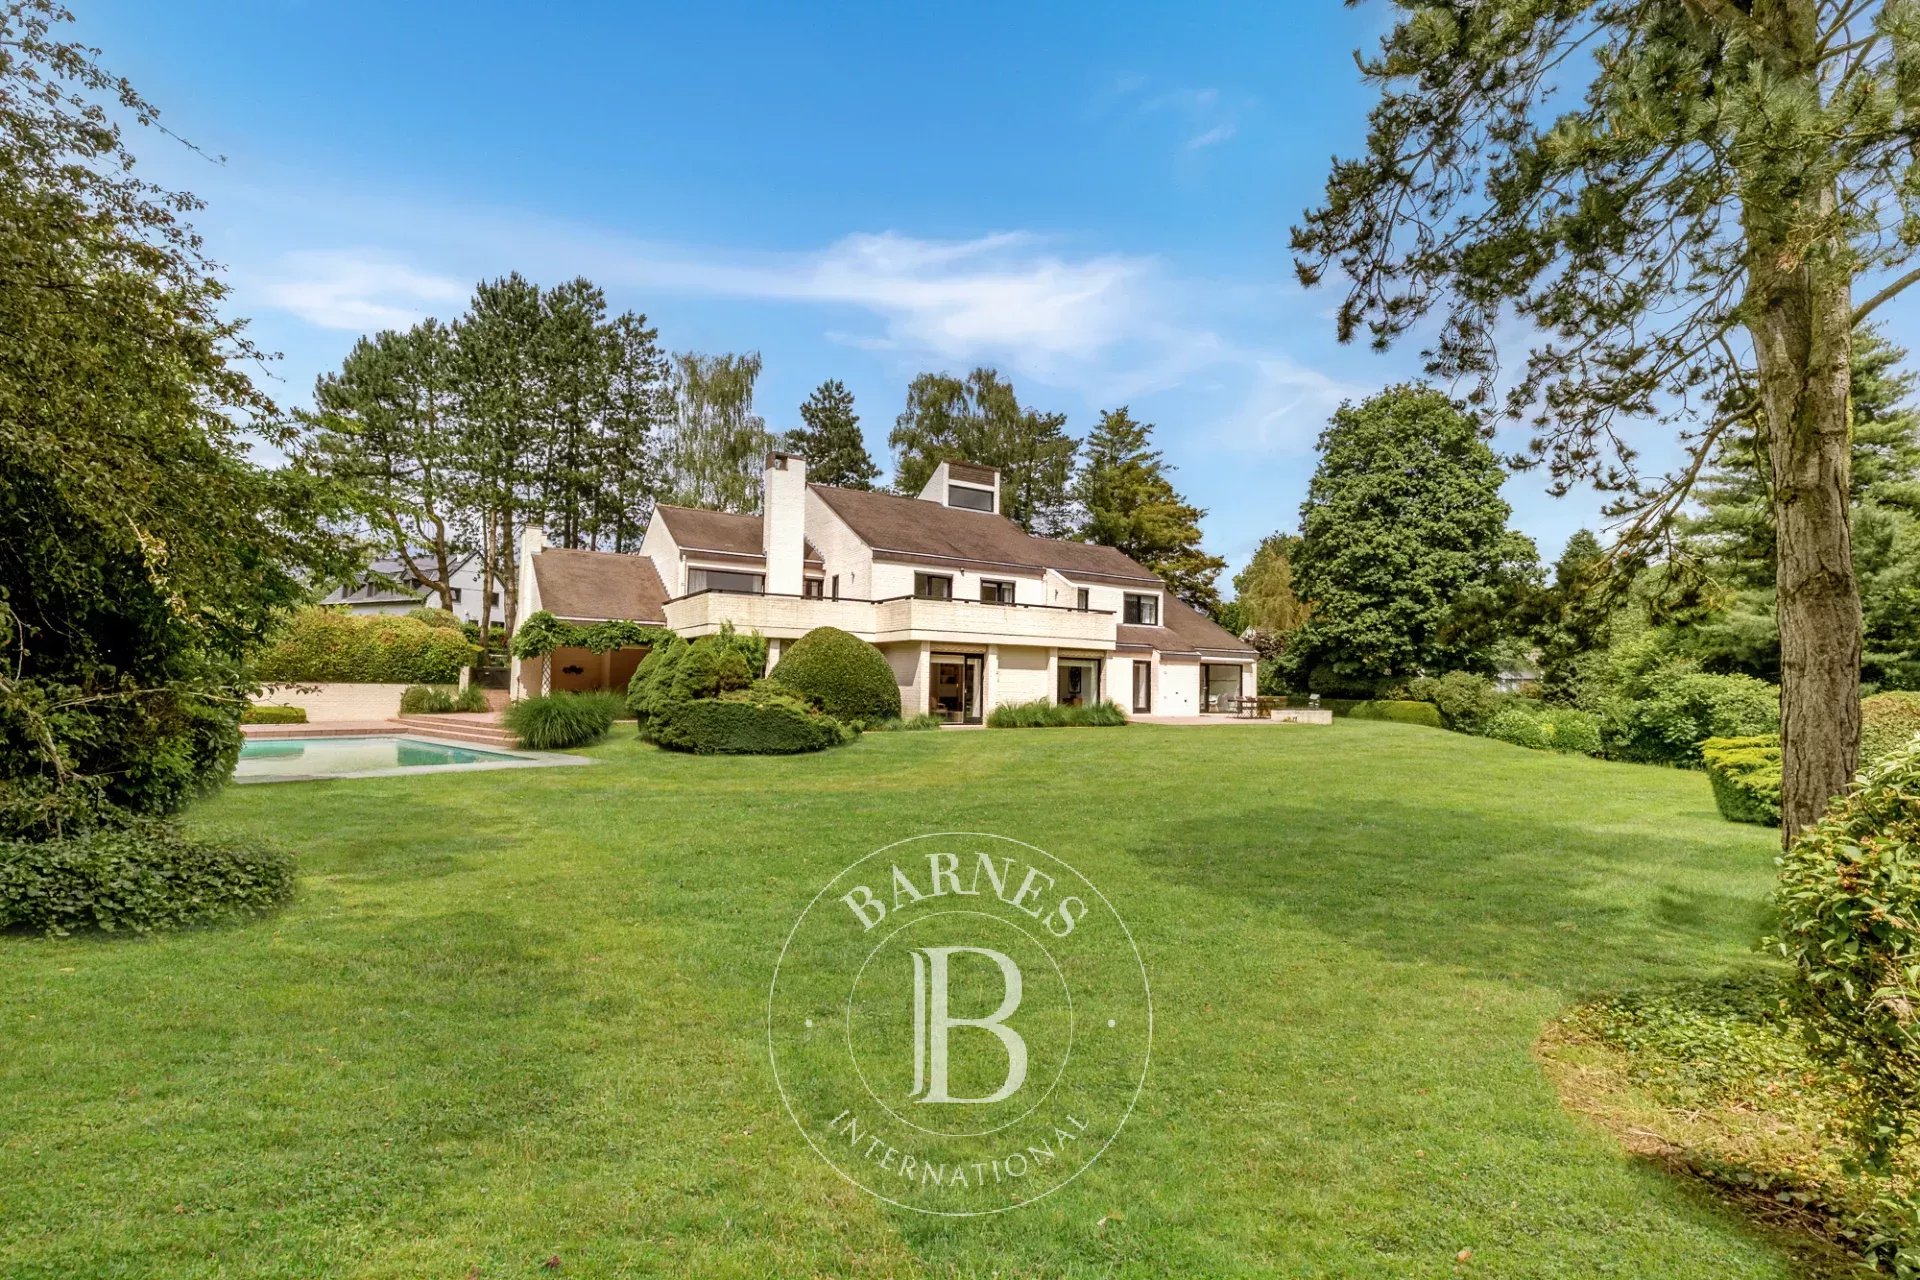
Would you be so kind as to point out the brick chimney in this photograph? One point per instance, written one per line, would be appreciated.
(783, 522)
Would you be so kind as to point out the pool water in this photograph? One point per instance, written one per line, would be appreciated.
(284, 759)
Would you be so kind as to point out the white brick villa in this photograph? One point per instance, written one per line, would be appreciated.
(971, 611)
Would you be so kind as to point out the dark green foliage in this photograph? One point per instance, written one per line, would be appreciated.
(322, 645)
(556, 721)
(1405, 554)
(907, 724)
(1041, 714)
(1888, 723)
(1675, 710)
(1849, 927)
(830, 441)
(423, 699)
(1398, 711)
(761, 720)
(841, 674)
(472, 700)
(273, 713)
(1745, 775)
(979, 419)
(1131, 505)
(541, 633)
(144, 876)
(1466, 700)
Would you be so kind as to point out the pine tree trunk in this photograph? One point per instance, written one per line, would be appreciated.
(1802, 327)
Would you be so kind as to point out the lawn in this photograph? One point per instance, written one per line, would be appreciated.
(517, 1016)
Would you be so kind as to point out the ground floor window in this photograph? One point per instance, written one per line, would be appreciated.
(1219, 684)
(1079, 682)
(957, 681)
(1142, 687)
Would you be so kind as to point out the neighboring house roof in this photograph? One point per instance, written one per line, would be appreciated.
(723, 533)
(599, 585)
(918, 531)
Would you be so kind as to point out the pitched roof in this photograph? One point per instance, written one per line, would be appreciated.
(914, 529)
(599, 585)
(726, 532)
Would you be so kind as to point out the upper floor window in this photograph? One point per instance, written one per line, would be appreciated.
(992, 592)
(932, 586)
(836, 586)
(1143, 611)
(1083, 599)
(725, 580)
(813, 589)
(456, 595)
(970, 498)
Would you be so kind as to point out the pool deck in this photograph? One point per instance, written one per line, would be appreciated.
(327, 729)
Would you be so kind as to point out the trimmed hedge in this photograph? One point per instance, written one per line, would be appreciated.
(1041, 714)
(1849, 928)
(421, 699)
(1467, 702)
(1745, 776)
(1538, 727)
(556, 721)
(841, 674)
(326, 645)
(1888, 723)
(762, 721)
(1398, 711)
(144, 876)
(273, 713)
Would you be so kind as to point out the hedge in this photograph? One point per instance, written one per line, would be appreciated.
(273, 713)
(556, 721)
(1848, 907)
(841, 674)
(1467, 702)
(1745, 776)
(1888, 723)
(1679, 709)
(326, 645)
(144, 876)
(763, 720)
(1398, 711)
(1538, 727)
(421, 699)
(1041, 714)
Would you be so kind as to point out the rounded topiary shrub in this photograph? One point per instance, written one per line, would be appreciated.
(842, 674)
(761, 721)
(1888, 723)
(1849, 922)
(144, 876)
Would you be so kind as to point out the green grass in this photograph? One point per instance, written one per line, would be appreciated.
(518, 1014)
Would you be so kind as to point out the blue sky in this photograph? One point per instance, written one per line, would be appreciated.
(1095, 199)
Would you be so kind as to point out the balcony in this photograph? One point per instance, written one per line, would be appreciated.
(900, 619)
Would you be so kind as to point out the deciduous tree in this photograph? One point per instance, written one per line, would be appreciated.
(979, 419)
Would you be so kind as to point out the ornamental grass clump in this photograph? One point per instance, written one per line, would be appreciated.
(557, 721)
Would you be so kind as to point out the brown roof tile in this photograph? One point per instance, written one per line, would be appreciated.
(727, 532)
(598, 585)
(914, 527)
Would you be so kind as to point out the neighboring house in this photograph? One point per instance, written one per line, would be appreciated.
(389, 587)
(970, 611)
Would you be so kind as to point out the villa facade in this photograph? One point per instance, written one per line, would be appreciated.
(970, 610)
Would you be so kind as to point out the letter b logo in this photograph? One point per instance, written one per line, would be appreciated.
(933, 1024)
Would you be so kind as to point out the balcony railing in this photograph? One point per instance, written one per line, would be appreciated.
(898, 618)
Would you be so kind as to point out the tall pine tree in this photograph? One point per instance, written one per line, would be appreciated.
(830, 440)
(1131, 505)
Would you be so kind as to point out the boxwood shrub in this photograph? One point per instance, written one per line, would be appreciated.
(323, 645)
(1399, 711)
(1745, 776)
(1848, 905)
(556, 721)
(1888, 723)
(273, 713)
(140, 877)
(762, 720)
(841, 674)
(1538, 727)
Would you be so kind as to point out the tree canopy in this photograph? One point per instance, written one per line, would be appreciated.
(979, 419)
(830, 439)
(1131, 504)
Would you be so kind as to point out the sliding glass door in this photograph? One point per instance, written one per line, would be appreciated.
(958, 679)
(1142, 687)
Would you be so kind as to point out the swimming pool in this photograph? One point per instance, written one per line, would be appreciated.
(305, 759)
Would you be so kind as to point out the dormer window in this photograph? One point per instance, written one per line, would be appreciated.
(969, 498)
(1142, 611)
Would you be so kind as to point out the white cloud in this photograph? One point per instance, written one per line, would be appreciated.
(357, 290)
(1208, 115)
(1212, 137)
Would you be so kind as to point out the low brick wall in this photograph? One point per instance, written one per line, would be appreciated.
(325, 702)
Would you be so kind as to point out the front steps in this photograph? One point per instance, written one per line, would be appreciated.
(481, 729)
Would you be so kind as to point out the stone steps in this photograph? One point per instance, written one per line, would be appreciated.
(479, 730)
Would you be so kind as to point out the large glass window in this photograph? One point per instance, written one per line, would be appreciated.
(1142, 611)
(1079, 682)
(992, 592)
(932, 586)
(1219, 686)
(725, 580)
(970, 498)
